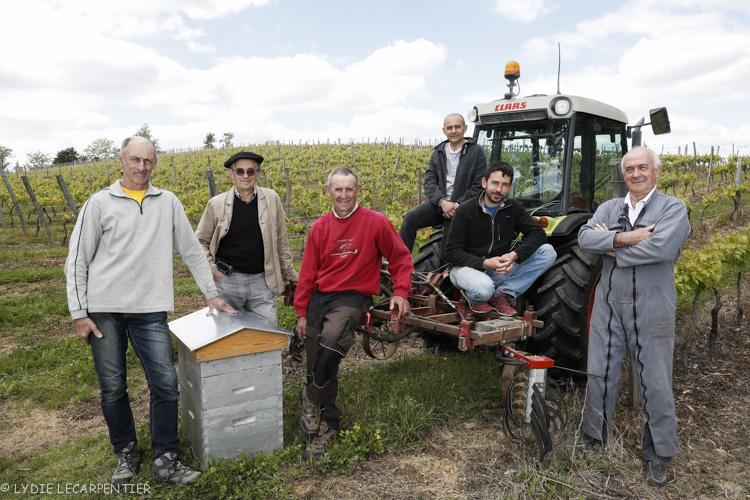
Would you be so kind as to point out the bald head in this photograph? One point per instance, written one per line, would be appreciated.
(454, 116)
(454, 128)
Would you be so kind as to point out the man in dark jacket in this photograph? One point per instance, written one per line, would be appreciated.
(487, 264)
(453, 176)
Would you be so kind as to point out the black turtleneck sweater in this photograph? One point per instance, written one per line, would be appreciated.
(242, 247)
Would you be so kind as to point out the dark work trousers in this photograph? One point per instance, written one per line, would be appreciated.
(331, 320)
(424, 215)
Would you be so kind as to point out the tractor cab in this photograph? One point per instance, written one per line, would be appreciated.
(564, 149)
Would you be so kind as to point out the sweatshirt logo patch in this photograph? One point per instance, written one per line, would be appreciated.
(344, 248)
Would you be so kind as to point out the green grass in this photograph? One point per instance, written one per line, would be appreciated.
(32, 304)
(28, 311)
(414, 395)
(286, 316)
(31, 255)
(184, 286)
(385, 407)
(15, 236)
(32, 275)
(54, 373)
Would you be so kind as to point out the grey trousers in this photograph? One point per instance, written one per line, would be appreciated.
(249, 292)
(613, 333)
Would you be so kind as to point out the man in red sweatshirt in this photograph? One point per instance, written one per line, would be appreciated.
(340, 273)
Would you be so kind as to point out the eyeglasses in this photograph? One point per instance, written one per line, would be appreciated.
(136, 160)
(242, 171)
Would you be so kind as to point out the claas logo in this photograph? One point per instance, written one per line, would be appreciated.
(507, 106)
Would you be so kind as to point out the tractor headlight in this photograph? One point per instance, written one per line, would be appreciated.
(560, 106)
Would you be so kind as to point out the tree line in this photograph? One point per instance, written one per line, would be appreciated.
(99, 150)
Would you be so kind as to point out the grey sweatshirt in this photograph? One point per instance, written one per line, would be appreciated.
(120, 257)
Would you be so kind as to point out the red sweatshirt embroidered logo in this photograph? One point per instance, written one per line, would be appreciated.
(344, 248)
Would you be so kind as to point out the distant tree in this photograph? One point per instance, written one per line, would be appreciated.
(208, 142)
(226, 140)
(100, 149)
(37, 160)
(145, 131)
(69, 155)
(5, 154)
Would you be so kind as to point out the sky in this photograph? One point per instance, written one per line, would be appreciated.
(74, 71)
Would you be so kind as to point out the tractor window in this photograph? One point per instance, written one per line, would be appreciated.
(536, 152)
(598, 143)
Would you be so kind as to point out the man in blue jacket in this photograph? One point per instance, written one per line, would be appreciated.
(487, 264)
(119, 282)
(453, 176)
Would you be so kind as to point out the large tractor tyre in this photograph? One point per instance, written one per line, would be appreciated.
(564, 302)
(428, 258)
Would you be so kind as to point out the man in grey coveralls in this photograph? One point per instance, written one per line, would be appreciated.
(639, 237)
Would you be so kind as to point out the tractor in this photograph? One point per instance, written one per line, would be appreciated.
(566, 152)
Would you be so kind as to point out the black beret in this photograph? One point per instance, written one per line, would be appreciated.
(243, 155)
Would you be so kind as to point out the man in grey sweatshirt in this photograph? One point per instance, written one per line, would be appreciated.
(120, 288)
(639, 237)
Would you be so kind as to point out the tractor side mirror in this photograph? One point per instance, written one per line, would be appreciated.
(659, 121)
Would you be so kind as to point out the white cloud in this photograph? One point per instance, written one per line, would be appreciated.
(248, 95)
(175, 24)
(692, 57)
(523, 10)
(200, 48)
(148, 9)
(134, 20)
(78, 81)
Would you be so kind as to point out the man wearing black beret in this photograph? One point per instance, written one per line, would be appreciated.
(243, 232)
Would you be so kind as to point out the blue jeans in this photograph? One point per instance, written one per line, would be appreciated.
(481, 286)
(149, 336)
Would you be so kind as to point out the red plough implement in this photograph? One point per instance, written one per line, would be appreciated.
(534, 411)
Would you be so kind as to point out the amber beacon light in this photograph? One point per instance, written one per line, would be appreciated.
(512, 70)
(512, 74)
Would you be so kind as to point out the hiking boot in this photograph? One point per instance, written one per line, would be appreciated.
(655, 473)
(128, 464)
(502, 305)
(168, 469)
(321, 442)
(309, 420)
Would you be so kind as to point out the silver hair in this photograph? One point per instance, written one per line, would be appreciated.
(342, 171)
(127, 141)
(655, 161)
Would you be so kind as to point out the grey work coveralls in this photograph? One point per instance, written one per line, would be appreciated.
(634, 309)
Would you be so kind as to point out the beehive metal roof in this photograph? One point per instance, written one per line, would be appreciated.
(197, 330)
